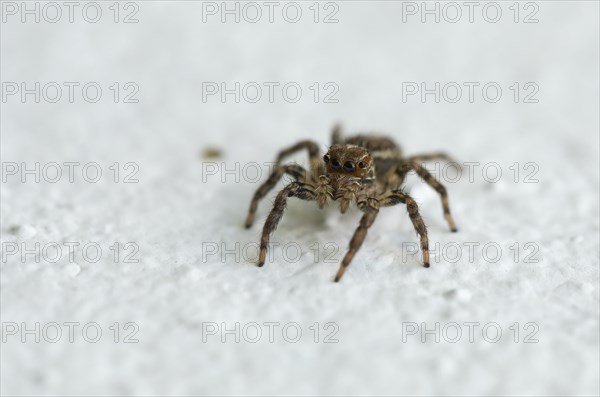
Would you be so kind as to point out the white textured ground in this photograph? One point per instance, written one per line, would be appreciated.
(174, 292)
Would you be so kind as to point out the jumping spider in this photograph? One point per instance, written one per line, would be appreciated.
(367, 170)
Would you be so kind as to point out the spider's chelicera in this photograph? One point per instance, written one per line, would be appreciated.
(368, 170)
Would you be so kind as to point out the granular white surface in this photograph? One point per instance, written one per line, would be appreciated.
(179, 211)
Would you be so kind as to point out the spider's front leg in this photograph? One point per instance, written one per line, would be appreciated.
(370, 209)
(313, 153)
(294, 189)
(397, 196)
(434, 183)
(295, 171)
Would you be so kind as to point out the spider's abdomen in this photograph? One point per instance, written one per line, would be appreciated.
(373, 143)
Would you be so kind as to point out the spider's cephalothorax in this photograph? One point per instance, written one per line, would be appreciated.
(350, 160)
(364, 169)
(349, 170)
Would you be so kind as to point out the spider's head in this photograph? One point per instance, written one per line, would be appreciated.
(348, 160)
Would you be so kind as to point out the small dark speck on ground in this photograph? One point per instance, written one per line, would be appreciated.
(14, 229)
(211, 153)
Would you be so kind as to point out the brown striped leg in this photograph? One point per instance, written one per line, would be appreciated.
(294, 189)
(397, 196)
(314, 154)
(295, 171)
(434, 183)
(366, 221)
(336, 134)
(430, 157)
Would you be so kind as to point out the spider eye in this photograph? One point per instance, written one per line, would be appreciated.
(335, 164)
(362, 165)
(326, 158)
(349, 166)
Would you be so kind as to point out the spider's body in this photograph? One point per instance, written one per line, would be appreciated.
(367, 170)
